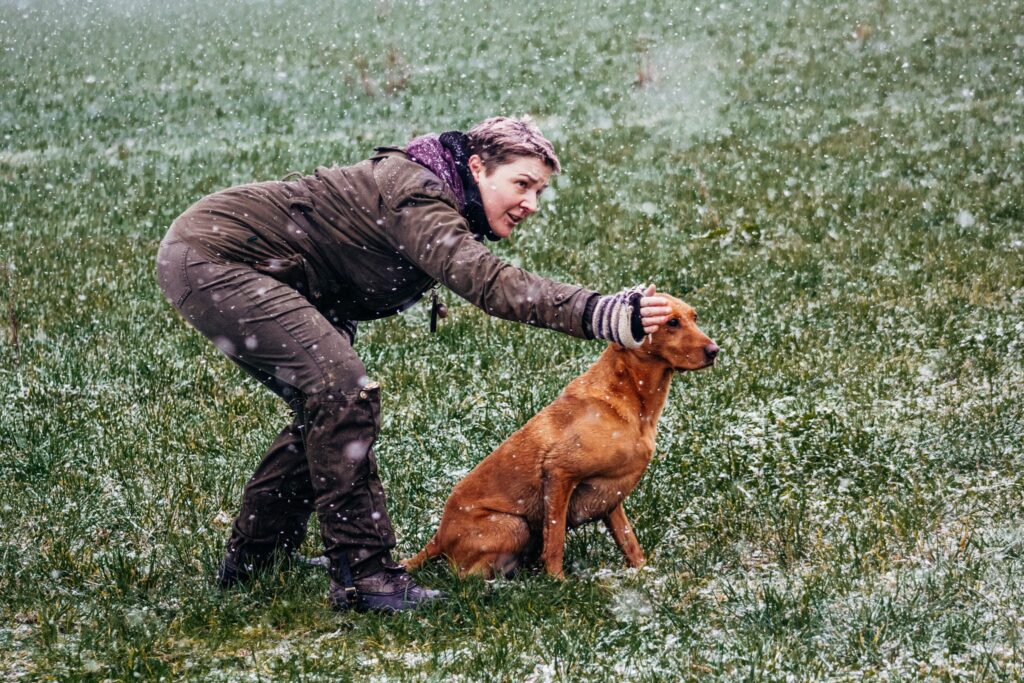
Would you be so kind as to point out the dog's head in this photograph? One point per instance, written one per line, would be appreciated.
(679, 342)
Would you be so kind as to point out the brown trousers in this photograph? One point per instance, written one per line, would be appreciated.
(323, 460)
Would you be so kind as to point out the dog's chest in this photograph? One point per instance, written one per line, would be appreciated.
(594, 498)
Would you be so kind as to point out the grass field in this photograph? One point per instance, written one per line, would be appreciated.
(836, 186)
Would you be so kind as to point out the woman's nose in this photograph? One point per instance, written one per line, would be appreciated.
(529, 202)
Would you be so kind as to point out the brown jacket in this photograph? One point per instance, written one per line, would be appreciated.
(366, 241)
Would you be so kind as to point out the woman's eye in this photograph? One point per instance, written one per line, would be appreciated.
(674, 322)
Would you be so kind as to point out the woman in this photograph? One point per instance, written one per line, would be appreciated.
(276, 274)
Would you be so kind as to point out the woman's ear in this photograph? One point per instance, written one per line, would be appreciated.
(476, 167)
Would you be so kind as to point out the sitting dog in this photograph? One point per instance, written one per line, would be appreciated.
(574, 462)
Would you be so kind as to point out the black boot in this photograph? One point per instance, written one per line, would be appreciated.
(232, 573)
(387, 591)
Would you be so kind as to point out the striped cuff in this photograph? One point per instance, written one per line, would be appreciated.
(617, 319)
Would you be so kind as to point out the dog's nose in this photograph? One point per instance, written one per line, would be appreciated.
(711, 350)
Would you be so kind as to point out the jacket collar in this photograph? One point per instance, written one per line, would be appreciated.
(447, 156)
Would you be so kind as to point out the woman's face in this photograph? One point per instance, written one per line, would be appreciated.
(510, 191)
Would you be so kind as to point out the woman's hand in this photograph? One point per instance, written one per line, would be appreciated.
(654, 310)
(628, 317)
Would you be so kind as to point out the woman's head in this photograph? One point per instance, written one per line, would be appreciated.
(511, 162)
(499, 139)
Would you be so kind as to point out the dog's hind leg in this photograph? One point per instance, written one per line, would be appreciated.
(492, 565)
(622, 532)
(492, 545)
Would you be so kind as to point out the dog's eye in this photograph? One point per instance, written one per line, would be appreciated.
(674, 322)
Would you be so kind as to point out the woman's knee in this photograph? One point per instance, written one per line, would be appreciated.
(348, 419)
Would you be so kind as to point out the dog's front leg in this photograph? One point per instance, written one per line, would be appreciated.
(622, 532)
(557, 489)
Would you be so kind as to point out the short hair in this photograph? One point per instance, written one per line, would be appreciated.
(500, 138)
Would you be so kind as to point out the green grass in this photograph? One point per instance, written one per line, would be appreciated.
(836, 187)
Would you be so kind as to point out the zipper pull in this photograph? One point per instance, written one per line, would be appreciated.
(437, 310)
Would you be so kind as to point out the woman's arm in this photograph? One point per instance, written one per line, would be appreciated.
(434, 237)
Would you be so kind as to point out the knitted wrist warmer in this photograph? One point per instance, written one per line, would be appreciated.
(616, 318)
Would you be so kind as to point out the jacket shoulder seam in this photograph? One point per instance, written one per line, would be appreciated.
(396, 188)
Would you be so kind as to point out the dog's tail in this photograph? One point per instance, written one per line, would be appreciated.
(430, 551)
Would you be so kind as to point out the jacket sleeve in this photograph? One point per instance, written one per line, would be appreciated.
(435, 238)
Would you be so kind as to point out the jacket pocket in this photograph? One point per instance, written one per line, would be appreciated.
(370, 395)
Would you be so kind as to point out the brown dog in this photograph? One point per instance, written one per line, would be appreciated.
(574, 462)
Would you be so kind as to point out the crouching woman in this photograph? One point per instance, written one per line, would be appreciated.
(276, 275)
